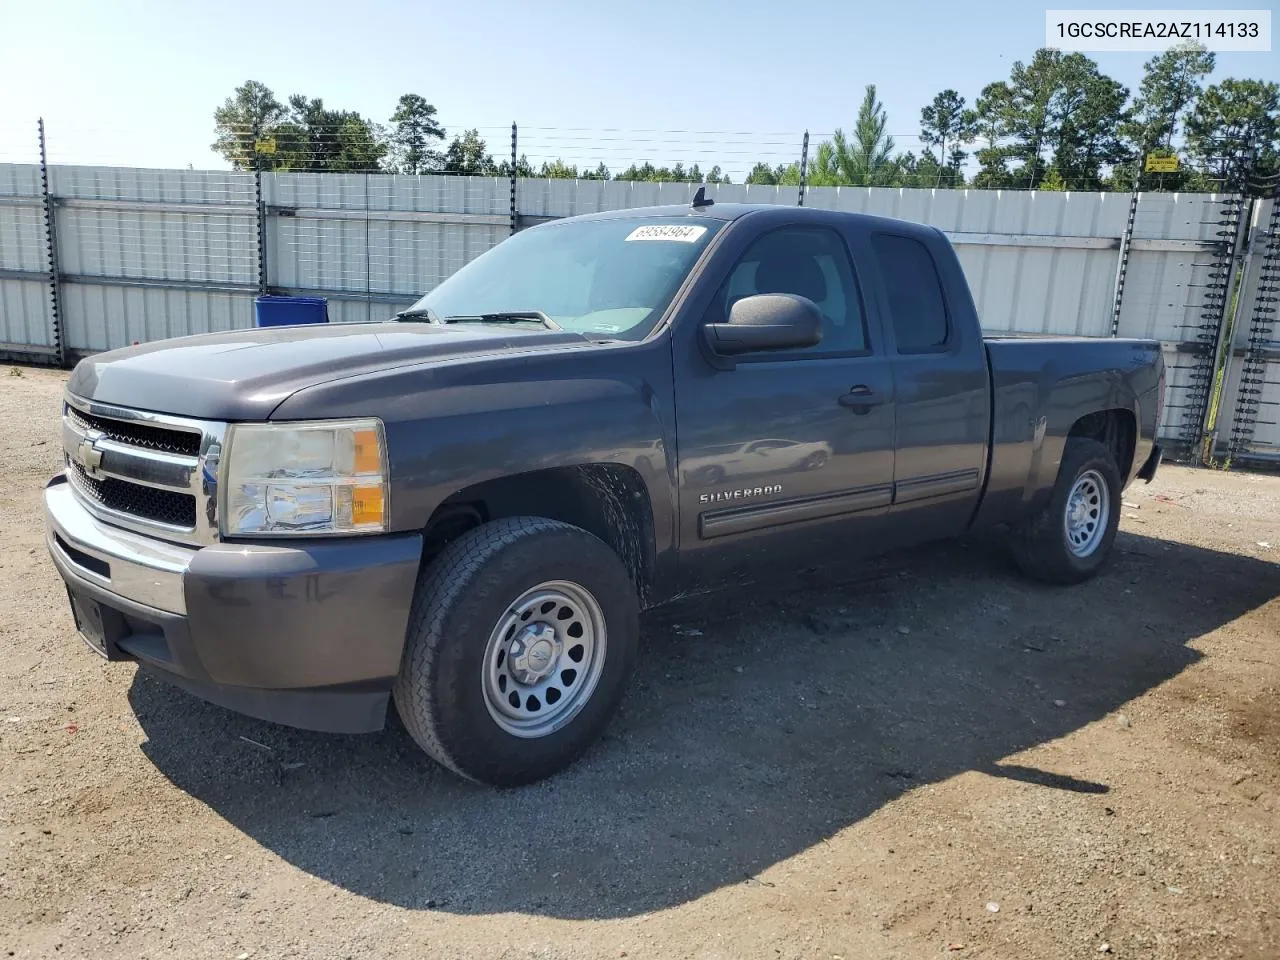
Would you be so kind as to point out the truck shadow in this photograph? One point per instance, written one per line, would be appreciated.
(757, 727)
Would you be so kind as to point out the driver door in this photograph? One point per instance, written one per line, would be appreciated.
(746, 495)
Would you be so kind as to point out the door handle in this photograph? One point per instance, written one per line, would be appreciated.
(860, 399)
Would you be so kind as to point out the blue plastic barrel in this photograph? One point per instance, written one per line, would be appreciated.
(288, 311)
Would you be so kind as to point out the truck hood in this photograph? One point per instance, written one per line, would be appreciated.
(245, 374)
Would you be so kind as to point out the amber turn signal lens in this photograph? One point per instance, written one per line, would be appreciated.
(368, 454)
(367, 505)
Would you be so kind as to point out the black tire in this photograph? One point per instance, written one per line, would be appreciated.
(459, 601)
(1040, 544)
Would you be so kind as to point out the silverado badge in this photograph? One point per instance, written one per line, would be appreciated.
(745, 493)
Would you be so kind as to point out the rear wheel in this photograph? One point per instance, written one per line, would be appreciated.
(522, 637)
(1070, 539)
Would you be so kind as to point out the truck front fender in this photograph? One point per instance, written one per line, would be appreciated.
(443, 438)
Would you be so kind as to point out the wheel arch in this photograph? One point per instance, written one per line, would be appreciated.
(608, 500)
(1117, 430)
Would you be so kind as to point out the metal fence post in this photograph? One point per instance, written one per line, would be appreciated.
(1235, 217)
(368, 255)
(51, 247)
(262, 214)
(1256, 354)
(1122, 268)
(804, 168)
(515, 217)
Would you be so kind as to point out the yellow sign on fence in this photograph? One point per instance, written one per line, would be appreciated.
(269, 146)
(1162, 164)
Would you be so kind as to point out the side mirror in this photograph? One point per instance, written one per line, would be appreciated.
(766, 321)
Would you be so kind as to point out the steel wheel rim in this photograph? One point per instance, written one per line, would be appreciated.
(544, 658)
(1087, 513)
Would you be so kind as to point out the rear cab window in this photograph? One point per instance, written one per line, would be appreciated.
(917, 306)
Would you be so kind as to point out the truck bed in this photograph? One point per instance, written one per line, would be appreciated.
(1040, 387)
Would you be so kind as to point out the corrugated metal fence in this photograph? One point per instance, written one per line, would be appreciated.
(26, 309)
(149, 254)
(139, 255)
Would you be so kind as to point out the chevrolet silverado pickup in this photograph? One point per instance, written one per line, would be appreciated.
(462, 510)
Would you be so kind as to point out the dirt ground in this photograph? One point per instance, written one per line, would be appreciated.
(926, 755)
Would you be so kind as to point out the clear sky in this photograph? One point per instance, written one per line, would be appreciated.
(136, 81)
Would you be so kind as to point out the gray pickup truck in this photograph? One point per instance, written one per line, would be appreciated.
(464, 508)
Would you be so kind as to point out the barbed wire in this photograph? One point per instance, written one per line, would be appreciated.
(19, 142)
(652, 154)
(366, 231)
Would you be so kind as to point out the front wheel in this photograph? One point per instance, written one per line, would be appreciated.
(523, 634)
(1069, 540)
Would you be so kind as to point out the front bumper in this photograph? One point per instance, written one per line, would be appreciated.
(307, 634)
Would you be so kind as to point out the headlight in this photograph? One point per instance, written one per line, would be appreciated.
(326, 477)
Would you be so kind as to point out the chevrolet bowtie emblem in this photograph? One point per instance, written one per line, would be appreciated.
(89, 456)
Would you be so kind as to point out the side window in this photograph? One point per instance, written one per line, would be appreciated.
(811, 262)
(916, 305)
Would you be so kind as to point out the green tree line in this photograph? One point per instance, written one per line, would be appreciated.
(253, 128)
(1057, 122)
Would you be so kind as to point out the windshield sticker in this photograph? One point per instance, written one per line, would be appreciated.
(676, 232)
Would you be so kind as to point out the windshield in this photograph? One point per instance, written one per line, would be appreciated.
(610, 278)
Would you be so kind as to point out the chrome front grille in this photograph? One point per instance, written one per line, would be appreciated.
(164, 507)
(147, 472)
(148, 437)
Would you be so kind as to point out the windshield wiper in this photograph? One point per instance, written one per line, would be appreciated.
(420, 313)
(508, 316)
